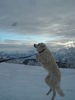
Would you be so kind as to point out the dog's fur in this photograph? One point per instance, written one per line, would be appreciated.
(53, 78)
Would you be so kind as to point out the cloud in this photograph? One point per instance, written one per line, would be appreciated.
(21, 46)
(52, 17)
(15, 46)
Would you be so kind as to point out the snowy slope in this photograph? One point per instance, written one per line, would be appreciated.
(20, 82)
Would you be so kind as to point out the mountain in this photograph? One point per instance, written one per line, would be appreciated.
(65, 57)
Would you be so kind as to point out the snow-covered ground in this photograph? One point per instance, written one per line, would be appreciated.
(20, 82)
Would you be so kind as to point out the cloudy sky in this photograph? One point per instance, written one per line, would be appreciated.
(25, 22)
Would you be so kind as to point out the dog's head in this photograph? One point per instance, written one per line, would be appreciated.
(40, 47)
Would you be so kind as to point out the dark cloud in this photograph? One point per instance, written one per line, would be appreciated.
(56, 17)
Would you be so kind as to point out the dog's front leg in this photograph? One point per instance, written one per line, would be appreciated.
(37, 57)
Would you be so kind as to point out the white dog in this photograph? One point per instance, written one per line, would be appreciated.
(53, 78)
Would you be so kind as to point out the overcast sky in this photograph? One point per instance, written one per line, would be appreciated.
(29, 21)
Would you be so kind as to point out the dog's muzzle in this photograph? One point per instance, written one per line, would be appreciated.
(35, 45)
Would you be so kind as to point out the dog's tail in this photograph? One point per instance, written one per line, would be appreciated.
(60, 91)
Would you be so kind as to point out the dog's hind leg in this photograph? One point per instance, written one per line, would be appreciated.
(50, 90)
(54, 94)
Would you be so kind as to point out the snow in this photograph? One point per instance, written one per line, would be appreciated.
(20, 82)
